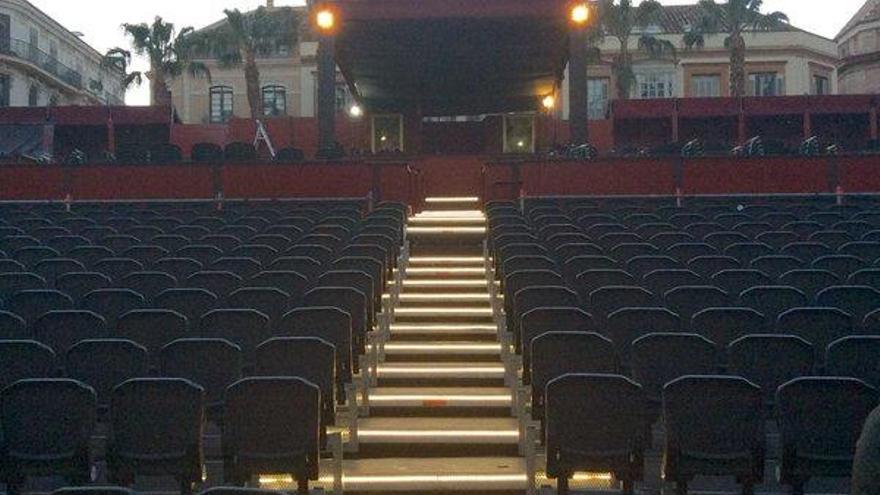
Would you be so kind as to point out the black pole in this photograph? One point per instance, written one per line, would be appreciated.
(577, 87)
(326, 96)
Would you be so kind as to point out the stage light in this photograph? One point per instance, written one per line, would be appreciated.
(580, 14)
(549, 102)
(325, 20)
(356, 111)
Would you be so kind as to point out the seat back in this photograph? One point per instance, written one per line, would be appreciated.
(770, 360)
(327, 323)
(659, 358)
(23, 359)
(213, 364)
(104, 364)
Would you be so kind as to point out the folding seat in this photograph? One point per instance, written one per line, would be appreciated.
(324, 240)
(511, 251)
(118, 268)
(725, 325)
(514, 282)
(855, 300)
(729, 220)
(25, 359)
(820, 420)
(326, 323)
(272, 425)
(819, 326)
(309, 358)
(219, 283)
(702, 229)
(867, 277)
(223, 242)
(261, 253)
(662, 281)
(246, 328)
(146, 254)
(841, 265)
(770, 361)
(714, 426)
(318, 253)
(650, 230)
(271, 302)
(64, 243)
(360, 281)
(555, 354)
(579, 406)
(243, 267)
(689, 300)
(11, 266)
(826, 218)
(242, 232)
(13, 327)
(156, 429)
(211, 223)
(550, 319)
(506, 235)
(747, 251)
(548, 231)
(306, 267)
(328, 232)
(776, 266)
(538, 296)
(641, 219)
(665, 240)
(148, 284)
(32, 304)
(104, 364)
(213, 364)
(855, 357)
(277, 242)
(143, 232)
(112, 303)
(682, 220)
(659, 358)
(867, 251)
(292, 283)
(856, 229)
(566, 252)
(778, 239)
(607, 300)
(627, 325)
(806, 251)
(13, 243)
(596, 231)
(773, 300)
(643, 265)
(152, 328)
(290, 232)
(30, 256)
(520, 263)
(579, 264)
(591, 280)
(202, 253)
(90, 255)
(121, 223)
(810, 282)
(778, 219)
(833, 238)
(372, 267)
(612, 240)
(47, 425)
(687, 252)
(97, 232)
(587, 221)
(723, 240)
(255, 222)
(51, 268)
(870, 216)
(625, 252)
(119, 243)
(166, 224)
(872, 236)
(737, 281)
(752, 229)
(78, 284)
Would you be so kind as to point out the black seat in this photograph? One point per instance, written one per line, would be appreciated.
(219, 283)
(606, 300)
(858, 301)
(590, 280)
(118, 268)
(841, 265)
(152, 328)
(690, 300)
(725, 325)
(810, 282)
(156, 429)
(191, 303)
(148, 284)
(770, 360)
(350, 301)
(662, 281)
(595, 423)
(13, 282)
(708, 266)
(855, 357)
(246, 328)
(213, 364)
(243, 267)
(104, 364)
(550, 319)
(32, 304)
(820, 420)
(78, 284)
(60, 330)
(714, 426)
(869, 252)
(47, 425)
(52, 268)
(627, 325)
(23, 359)
(307, 267)
(112, 303)
(330, 324)
(817, 325)
(534, 297)
(272, 425)
(269, 301)
(773, 300)
(737, 281)
(776, 266)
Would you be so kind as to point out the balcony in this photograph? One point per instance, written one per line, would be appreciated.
(33, 55)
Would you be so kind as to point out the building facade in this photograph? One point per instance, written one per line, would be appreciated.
(787, 61)
(288, 76)
(859, 51)
(42, 63)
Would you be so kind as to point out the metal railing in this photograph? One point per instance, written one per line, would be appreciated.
(31, 53)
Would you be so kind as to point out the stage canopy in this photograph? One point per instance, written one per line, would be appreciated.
(452, 57)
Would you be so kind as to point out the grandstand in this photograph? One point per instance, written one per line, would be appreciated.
(436, 324)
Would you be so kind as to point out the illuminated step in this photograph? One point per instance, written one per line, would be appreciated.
(445, 331)
(433, 220)
(451, 199)
(466, 351)
(450, 213)
(446, 285)
(445, 299)
(445, 231)
(440, 374)
(437, 436)
(443, 314)
(441, 398)
(416, 272)
(455, 261)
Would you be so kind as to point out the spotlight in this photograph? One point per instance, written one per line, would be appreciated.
(549, 102)
(356, 111)
(580, 14)
(325, 20)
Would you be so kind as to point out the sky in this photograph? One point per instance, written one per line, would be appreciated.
(100, 20)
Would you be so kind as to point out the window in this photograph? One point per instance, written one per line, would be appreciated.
(766, 84)
(5, 33)
(34, 45)
(33, 95)
(53, 100)
(274, 101)
(519, 134)
(387, 134)
(342, 97)
(597, 95)
(821, 85)
(5, 83)
(706, 86)
(655, 85)
(221, 104)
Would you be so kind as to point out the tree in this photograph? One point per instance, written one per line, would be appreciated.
(169, 54)
(620, 21)
(243, 37)
(733, 18)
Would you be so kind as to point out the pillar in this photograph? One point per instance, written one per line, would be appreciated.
(808, 125)
(873, 116)
(111, 136)
(577, 88)
(741, 129)
(676, 131)
(326, 96)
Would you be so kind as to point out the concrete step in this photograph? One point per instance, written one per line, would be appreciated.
(440, 351)
(453, 272)
(441, 261)
(437, 437)
(444, 332)
(448, 402)
(433, 314)
(459, 202)
(440, 299)
(469, 285)
(441, 374)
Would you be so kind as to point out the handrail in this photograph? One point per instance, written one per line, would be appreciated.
(31, 53)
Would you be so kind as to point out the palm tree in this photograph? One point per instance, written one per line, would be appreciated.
(240, 40)
(620, 21)
(733, 18)
(168, 51)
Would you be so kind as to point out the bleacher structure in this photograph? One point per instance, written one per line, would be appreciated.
(571, 344)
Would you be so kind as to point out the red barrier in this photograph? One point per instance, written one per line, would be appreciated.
(767, 175)
(860, 174)
(320, 180)
(602, 177)
(142, 182)
(31, 183)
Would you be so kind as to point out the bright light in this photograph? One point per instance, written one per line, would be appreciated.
(521, 144)
(356, 111)
(383, 138)
(325, 19)
(580, 14)
(549, 102)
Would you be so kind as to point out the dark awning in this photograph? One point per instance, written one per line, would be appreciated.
(452, 57)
